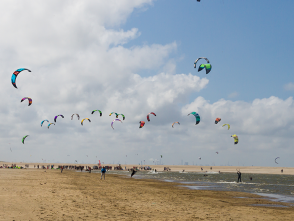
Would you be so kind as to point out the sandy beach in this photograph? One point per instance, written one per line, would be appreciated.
(37, 194)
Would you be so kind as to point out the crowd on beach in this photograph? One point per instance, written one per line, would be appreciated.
(104, 169)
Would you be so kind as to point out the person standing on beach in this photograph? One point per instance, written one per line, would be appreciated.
(239, 176)
(103, 171)
(61, 168)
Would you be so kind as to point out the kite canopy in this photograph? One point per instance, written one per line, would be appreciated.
(202, 66)
(43, 122)
(23, 139)
(122, 116)
(77, 116)
(58, 116)
(175, 123)
(99, 112)
(50, 124)
(116, 115)
(30, 100)
(236, 139)
(196, 116)
(149, 114)
(217, 120)
(15, 74)
(114, 121)
(85, 119)
(142, 123)
(228, 126)
(276, 160)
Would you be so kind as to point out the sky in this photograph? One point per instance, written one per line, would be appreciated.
(135, 57)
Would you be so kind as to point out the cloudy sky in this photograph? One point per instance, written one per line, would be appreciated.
(136, 56)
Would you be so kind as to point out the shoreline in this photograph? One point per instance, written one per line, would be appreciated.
(52, 195)
(177, 168)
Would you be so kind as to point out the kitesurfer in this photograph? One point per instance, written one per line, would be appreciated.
(239, 176)
(103, 171)
(133, 172)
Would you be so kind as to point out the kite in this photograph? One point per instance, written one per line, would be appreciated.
(15, 74)
(161, 156)
(77, 116)
(196, 116)
(98, 111)
(199, 158)
(216, 152)
(30, 100)
(142, 123)
(228, 126)
(236, 139)
(149, 114)
(58, 116)
(50, 124)
(23, 139)
(202, 66)
(113, 121)
(85, 119)
(122, 116)
(217, 120)
(43, 122)
(276, 160)
(116, 115)
(175, 123)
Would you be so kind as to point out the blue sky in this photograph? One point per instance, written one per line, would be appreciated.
(249, 43)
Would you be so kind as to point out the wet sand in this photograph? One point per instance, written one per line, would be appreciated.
(32, 194)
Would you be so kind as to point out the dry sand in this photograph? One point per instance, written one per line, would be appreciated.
(32, 194)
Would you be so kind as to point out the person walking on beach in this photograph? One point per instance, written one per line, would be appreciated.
(239, 176)
(103, 171)
(61, 169)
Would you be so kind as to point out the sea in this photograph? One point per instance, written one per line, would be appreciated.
(276, 187)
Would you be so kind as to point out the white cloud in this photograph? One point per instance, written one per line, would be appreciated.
(289, 86)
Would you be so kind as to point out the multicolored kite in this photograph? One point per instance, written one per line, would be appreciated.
(142, 123)
(98, 111)
(58, 116)
(43, 122)
(30, 100)
(23, 139)
(217, 120)
(149, 114)
(236, 139)
(50, 124)
(116, 115)
(196, 116)
(85, 119)
(206, 66)
(15, 74)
